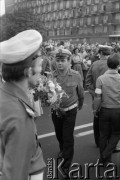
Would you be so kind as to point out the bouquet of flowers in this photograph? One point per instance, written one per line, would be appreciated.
(49, 91)
(55, 95)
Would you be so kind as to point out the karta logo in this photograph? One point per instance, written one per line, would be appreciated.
(77, 171)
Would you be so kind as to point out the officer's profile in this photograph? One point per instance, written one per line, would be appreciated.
(20, 153)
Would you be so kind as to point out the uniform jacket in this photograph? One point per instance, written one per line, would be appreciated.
(72, 85)
(97, 69)
(20, 152)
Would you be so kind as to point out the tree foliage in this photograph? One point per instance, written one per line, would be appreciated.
(13, 23)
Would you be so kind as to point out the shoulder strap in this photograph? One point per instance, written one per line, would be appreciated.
(31, 112)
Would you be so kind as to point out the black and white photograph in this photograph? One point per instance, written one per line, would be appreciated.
(59, 89)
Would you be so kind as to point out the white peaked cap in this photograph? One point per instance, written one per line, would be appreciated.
(105, 46)
(19, 47)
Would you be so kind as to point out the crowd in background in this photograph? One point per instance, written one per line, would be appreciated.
(91, 63)
(83, 55)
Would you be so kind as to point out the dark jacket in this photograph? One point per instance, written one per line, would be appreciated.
(97, 69)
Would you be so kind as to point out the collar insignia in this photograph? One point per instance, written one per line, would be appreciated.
(30, 112)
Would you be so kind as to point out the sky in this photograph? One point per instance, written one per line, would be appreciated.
(2, 7)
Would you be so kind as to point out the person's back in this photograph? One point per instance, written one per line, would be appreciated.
(110, 89)
(107, 101)
(99, 68)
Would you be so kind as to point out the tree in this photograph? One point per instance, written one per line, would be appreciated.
(11, 24)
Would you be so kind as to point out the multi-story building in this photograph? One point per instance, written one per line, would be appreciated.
(95, 20)
(9, 6)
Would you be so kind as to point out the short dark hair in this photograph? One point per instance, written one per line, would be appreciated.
(61, 43)
(117, 49)
(17, 71)
(75, 49)
(105, 51)
(113, 61)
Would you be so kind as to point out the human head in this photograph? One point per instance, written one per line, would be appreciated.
(75, 50)
(19, 55)
(105, 50)
(36, 69)
(113, 61)
(117, 49)
(87, 57)
(62, 43)
(63, 59)
(48, 49)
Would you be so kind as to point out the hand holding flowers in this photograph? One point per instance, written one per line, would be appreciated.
(49, 91)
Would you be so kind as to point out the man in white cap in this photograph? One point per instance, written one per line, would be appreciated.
(20, 153)
(98, 68)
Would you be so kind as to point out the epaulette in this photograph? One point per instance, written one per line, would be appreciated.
(28, 109)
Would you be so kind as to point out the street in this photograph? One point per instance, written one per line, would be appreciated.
(86, 153)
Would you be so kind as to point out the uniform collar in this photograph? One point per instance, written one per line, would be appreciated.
(56, 73)
(111, 71)
(14, 90)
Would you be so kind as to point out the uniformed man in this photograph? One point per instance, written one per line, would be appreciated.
(64, 124)
(20, 154)
(108, 98)
(98, 68)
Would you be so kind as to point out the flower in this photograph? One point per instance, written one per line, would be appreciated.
(58, 88)
(55, 93)
(50, 92)
(51, 85)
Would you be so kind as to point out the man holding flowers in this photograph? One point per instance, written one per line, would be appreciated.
(64, 122)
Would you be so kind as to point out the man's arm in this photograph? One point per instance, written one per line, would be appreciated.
(96, 103)
(98, 96)
(80, 92)
(89, 82)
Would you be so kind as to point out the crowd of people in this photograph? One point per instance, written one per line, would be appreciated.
(93, 67)
(83, 55)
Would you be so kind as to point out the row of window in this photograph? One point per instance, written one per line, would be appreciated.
(86, 21)
(85, 10)
(106, 19)
(58, 5)
(79, 31)
(74, 2)
(65, 14)
(38, 1)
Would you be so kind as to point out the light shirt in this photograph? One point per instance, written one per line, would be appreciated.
(72, 85)
(108, 85)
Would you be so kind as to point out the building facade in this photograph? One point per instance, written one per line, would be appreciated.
(75, 20)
